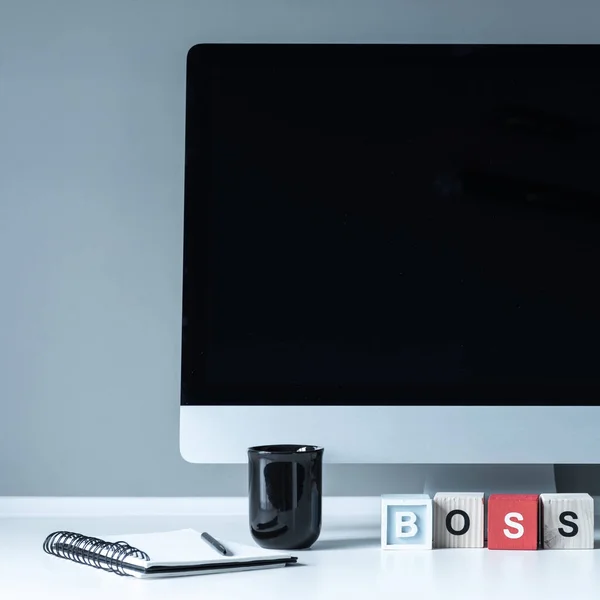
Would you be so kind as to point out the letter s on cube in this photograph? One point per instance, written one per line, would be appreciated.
(567, 521)
(513, 522)
(406, 522)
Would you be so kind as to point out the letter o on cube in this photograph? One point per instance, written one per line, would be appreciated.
(458, 520)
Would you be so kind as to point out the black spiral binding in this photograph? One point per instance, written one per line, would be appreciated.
(91, 551)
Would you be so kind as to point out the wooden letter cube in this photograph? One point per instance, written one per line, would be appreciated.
(458, 520)
(406, 522)
(567, 521)
(513, 522)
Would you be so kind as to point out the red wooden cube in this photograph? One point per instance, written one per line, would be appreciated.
(513, 521)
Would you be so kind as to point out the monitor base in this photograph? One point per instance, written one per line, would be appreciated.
(490, 479)
(506, 479)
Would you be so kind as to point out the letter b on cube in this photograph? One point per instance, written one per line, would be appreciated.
(406, 522)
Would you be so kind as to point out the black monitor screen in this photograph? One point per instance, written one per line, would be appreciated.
(392, 224)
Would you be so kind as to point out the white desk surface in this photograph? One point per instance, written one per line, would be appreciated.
(346, 562)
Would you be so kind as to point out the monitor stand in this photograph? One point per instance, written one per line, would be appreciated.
(505, 479)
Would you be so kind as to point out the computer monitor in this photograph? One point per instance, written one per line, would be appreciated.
(392, 251)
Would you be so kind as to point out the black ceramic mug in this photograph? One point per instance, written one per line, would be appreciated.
(285, 495)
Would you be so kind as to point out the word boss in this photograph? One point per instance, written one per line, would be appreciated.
(514, 521)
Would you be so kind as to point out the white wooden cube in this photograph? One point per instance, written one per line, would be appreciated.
(458, 519)
(406, 522)
(567, 521)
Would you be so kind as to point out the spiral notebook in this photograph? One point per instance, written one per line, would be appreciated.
(165, 554)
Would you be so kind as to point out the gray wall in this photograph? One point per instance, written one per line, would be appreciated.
(91, 174)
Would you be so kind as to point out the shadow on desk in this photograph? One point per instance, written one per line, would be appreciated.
(371, 526)
(347, 544)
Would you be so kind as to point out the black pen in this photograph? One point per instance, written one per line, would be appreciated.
(210, 540)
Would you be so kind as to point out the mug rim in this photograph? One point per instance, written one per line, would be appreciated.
(283, 449)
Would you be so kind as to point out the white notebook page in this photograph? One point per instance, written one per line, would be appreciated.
(185, 547)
